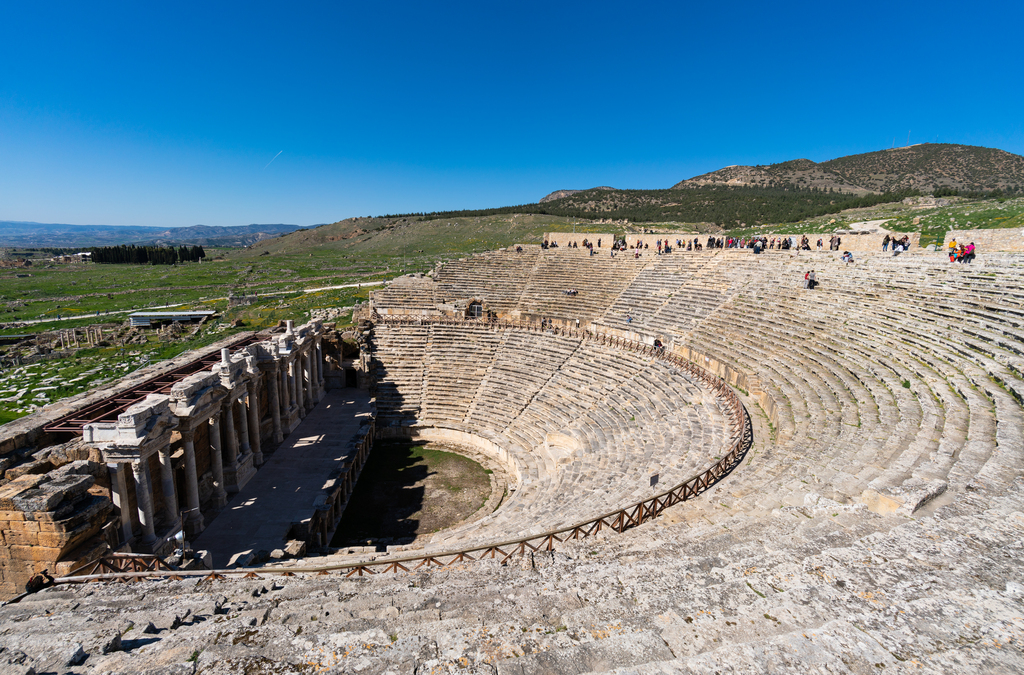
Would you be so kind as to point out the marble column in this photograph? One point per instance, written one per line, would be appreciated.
(144, 500)
(243, 428)
(119, 491)
(167, 485)
(293, 379)
(299, 387)
(310, 378)
(286, 402)
(273, 380)
(320, 367)
(231, 438)
(194, 520)
(254, 423)
(220, 496)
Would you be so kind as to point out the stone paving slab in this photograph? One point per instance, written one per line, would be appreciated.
(286, 487)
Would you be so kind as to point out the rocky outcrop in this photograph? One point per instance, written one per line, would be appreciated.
(559, 194)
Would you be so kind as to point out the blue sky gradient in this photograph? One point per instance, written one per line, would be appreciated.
(167, 115)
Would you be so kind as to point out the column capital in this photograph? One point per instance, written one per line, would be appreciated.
(187, 435)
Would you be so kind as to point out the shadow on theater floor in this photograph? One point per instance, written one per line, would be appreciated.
(388, 493)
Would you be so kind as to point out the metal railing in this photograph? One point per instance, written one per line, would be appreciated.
(618, 521)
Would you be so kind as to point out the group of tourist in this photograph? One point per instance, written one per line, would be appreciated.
(961, 253)
(572, 292)
(589, 245)
(898, 245)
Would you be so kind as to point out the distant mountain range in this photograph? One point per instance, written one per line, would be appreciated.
(923, 167)
(793, 190)
(58, 235)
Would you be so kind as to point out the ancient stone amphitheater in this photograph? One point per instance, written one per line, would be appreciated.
(710, 469)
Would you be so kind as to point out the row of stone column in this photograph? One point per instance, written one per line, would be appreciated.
(228, 442)
(296, 381)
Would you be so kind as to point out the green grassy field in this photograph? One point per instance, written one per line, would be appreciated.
(372, 250)
(24, 389)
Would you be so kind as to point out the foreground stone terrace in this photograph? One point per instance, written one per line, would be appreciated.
(822, 588)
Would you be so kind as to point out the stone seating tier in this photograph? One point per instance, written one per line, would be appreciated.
(901, 362)
(586, 425)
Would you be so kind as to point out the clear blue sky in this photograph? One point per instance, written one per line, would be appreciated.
(169, 113)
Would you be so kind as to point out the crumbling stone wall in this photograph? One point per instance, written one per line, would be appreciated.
(51, 521)
(347, 349)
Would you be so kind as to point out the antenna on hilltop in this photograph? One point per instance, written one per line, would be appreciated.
(908, 139)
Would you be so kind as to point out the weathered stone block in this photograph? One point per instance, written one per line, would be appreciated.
(35, 553)
(71, 515)
(91, 550)
(49, 493)
(77, 468)
(295, 548)
(11, 516)
(9, 589)
(19, 526)
(21, 538)
(73, 537)
(32, 468)
(879, 503)
(16, 487)
(37, 499)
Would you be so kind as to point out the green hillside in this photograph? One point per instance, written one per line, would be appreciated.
(923, 167)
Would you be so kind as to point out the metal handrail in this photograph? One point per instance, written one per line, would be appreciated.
(619, 520)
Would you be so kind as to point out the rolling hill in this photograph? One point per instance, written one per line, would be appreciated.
(789, 191)
(923, 167)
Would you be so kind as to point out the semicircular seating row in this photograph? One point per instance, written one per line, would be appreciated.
(901, 377)
(585, 425)
(897, 376)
